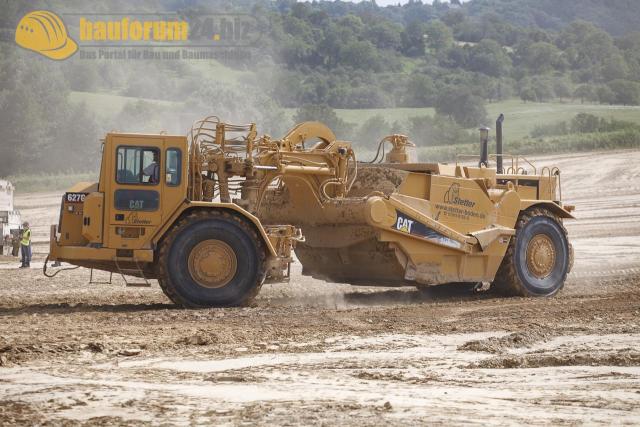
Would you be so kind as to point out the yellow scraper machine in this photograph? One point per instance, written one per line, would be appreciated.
(214, 214)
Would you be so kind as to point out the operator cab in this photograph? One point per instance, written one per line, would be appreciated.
(143, 180)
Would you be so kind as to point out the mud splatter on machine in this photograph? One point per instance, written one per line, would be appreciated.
(213, 214)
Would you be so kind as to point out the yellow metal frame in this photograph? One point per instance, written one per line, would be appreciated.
(467, 215)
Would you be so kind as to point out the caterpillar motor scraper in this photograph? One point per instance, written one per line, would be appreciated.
(214, 214)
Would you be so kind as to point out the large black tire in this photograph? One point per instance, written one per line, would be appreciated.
(521, 272)
(243, 249)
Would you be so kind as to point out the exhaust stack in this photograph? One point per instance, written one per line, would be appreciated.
(484, 147)
(499, 121)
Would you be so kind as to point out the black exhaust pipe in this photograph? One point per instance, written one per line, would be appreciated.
(484, 147)
(499, 143)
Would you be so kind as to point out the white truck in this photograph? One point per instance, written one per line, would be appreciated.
(9, 217)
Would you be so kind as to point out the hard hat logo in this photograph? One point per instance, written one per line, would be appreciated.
(44, 32)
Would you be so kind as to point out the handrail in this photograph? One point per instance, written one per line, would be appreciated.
(515, 160)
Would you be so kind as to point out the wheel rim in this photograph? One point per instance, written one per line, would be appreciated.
(212, 263)
(541, 256)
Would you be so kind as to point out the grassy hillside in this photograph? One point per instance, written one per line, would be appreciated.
(623, 139)
(105, 104)
(220, 72)
(520, 117)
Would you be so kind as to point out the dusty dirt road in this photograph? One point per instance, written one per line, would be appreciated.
(310, 352)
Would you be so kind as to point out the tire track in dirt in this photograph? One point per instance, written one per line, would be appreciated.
(311, 352)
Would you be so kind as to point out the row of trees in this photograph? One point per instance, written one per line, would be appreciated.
(366, 56)
(315, 57)
(41, 130)
(583, 123)
(424, 130)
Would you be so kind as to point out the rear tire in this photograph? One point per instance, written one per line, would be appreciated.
(538, 258)
(212, 259)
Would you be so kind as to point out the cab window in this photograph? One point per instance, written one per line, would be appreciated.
(173, 169)
(138, 165)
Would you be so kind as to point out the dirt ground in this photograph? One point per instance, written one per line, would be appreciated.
(310, 352)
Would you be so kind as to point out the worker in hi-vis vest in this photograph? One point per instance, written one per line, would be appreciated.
(25, 246)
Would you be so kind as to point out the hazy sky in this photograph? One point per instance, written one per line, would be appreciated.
(388, 2)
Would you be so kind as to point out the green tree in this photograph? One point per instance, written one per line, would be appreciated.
(462, 106)
(326, 115)
(561, 88)
(455, 57)
(299, 28)
(360, 54)
(77, 140)
(585, 123)
(295, 51)
(630, 47)
(352, 23)
(605, 95)
(453, 18)
(301, 10)
(585, 92)
(438, 36)
(328, 47)
(542, 58)
(498, 89)
(413, 39)
(489, 58)
(543, 89)
(527, 94)
(614, 68)
(385, 35)
(437, 130)
(33, 101)
(371, 131)
(587, 47)
(625, 92)
(421, 91)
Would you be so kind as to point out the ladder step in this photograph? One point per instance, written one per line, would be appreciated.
(93, 282)
(139, 273)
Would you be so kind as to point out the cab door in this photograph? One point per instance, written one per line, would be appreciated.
(135, 197)
(174, 178)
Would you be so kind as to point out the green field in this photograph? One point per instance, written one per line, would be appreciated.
(106, 104)
(221, 73)
(520, 117)
(109, 104)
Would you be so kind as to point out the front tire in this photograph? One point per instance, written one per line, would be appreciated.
(538, 258)
(212, 259)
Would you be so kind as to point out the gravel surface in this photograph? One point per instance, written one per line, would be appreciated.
(310, 352)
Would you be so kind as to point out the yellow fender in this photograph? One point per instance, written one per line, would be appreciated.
(553, 207)
(186, 206)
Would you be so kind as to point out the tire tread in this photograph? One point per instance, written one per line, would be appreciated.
(166, 284)
(507, 282)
